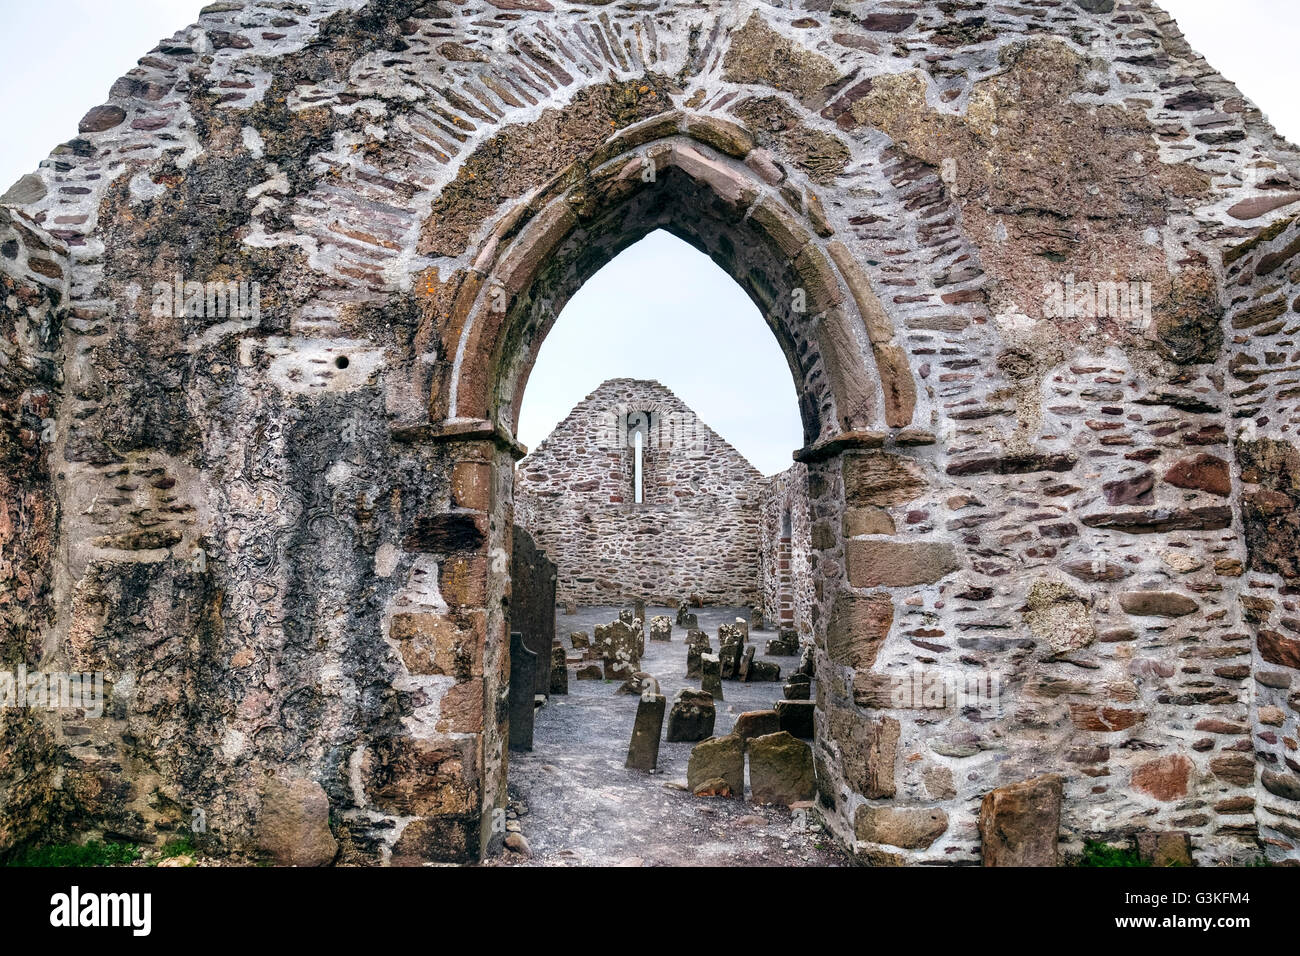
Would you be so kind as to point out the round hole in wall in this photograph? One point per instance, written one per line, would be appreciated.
(341, 362)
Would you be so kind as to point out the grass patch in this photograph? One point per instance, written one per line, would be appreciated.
(182, 847)
(94, 853)
(1096, 853)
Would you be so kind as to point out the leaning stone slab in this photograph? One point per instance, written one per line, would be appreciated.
(621, 643)
(785, 644)
(643, 751)
(758, 671)
(617, 669)
(697, 645)
(685, 618)
(746, 662)
(718, 758)
(522, 697)
(731, 634)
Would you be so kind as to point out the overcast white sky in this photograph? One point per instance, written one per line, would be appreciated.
(660, 310)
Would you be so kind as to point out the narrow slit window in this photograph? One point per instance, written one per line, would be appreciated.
(638, 490)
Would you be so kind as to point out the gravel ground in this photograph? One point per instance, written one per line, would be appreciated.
(575, 803)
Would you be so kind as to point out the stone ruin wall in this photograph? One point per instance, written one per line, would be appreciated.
(786, 569)
(33, 275)
(280, 536)
(696, 536)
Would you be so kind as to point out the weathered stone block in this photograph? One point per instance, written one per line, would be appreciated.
(893, 564)
(711, 675)
(858, 627)
(718, 758)
(1058, 616)
(1020, 824)
(1157, 604)
(1165, 848)
(523, 691)
(796, 716)
(436, 644)
(911, 828)
(559, 670)
(881, 479)
(868, 751)
(729, 657)
(293, 823)
(780, 769)
(757, 723)
(1164, 778)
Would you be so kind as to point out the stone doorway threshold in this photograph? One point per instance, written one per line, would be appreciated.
(576, 804)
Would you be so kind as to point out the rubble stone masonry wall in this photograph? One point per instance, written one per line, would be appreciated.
(695, 535)
(284, 535)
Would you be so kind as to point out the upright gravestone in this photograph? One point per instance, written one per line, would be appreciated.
(532, 602)
(559, 669)
(711, 675)
(643, 751)
(697, 645)
(661, 628)
(523, 684)
(692, 716)
(684, 616)
(730, 657)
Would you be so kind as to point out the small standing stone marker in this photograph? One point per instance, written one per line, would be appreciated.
(643, 751)
(523, 681)
(559, 669)
(711, 675)
(661, 628)
(692, 716)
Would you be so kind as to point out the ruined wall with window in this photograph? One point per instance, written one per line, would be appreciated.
(785, 552)
(694, 535)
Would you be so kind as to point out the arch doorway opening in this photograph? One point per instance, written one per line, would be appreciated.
(642, 540)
